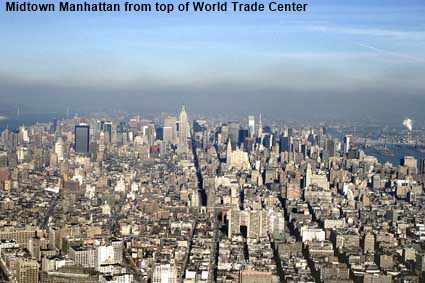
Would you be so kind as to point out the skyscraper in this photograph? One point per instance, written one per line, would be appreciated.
(347, 139)
(171, 123)
(107, 128)
(59, 149)
(167, 135)
(251, 125)
(243, 134)
(234, 133)
(284, 144)
(150, 133)
(224, 133)
(82, 138)
(228, 152)
(27, 271)
(308, 176)
(260, 127)
(331, 147)
(184, 131)
(411, 163)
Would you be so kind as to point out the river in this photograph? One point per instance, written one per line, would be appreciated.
(398, 153)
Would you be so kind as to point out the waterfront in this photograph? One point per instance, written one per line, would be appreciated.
(398, 152)
(14, 122)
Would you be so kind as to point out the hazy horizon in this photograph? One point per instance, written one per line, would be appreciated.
(339, 59)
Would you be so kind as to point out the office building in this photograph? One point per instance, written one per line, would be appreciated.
(59, 149)
(284, 144)
(184, 131)
(27, 271)
(82, 138)
(171, 123)
(251, 126)
(164, 273)
(347, 140)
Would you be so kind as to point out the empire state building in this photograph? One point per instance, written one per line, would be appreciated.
(184, 131)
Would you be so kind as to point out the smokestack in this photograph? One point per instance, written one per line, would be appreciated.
(408, 123)
(409, 137)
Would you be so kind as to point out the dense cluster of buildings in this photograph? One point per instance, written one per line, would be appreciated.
(122, 200)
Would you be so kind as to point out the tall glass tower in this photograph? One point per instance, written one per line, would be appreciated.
(82, 138)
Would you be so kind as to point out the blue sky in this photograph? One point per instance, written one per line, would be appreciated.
(335, 46)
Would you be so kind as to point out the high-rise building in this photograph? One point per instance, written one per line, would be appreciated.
(308, 176)
(171, 123)
(251, 125)
(164, 273)
(331, 147)
(411, 163)
(59, 149)
(234, 133)
(27, 271)
(258, 224)
(83, 256)
(376, 181)
(369, 243)
(23, 135)
(35, 247)
(228, 152)
(234, 222)
(184, 131)
(268, 140)
(347, 140)
(159, 133)
(260, 127)
(249, 144)
(82, 138)
(167, 135)
(54, 126)
(254, 224)
(243, 134)
(118, 250)
(284, 144)
(252, 276)
(104, 254)
(423, 166)
(420, 263)
(199, 126)
(224, 132)
(149, 132)
(107, 128)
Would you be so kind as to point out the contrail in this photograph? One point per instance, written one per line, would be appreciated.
(391, 53)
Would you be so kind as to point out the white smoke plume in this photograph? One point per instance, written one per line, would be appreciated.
(408, 123)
